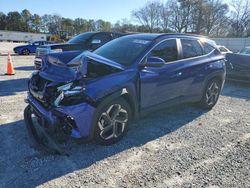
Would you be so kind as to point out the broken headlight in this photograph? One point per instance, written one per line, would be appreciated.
(70, 94)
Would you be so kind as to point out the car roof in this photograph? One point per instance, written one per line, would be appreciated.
(159, 36)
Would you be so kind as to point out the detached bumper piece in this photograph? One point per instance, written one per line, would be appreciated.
(47, 128)
(39, 136)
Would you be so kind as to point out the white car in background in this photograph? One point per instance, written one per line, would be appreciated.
(224, 50)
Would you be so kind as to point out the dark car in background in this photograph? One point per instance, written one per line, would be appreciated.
(238, 65)
(122, 80)
(30, 48)
(84, 41)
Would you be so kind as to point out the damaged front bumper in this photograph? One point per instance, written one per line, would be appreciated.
(75, 120)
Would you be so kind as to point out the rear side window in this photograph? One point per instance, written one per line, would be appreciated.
(191, 48)
(166, 50)
(207, 48)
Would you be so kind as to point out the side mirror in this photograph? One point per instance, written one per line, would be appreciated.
(96, 42)
(154, 62)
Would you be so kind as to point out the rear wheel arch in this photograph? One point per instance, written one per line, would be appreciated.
(211, 77)
(211, 93)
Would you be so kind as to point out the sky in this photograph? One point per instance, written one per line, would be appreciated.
(108, 10)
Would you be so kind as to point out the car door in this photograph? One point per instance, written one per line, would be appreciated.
(195, 67)
(162, 84)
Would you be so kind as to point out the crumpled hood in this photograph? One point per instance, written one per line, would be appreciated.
(56, 68)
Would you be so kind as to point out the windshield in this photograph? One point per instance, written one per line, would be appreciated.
(245, 51)
(123, 50)
(80, 38)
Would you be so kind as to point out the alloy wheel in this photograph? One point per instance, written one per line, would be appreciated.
(212, 93)
(112, 122)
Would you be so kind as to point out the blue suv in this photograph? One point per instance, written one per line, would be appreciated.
(97, 94)
(30, 48)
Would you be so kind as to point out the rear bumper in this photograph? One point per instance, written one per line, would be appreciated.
(82, 115)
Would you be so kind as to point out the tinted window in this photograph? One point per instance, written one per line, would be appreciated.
(124, 50)
(79, 39)
(103, 37)
(191, 48)
(207, 48)
(166, 50)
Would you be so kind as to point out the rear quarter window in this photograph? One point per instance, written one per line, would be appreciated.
(191, 48)
(207, 48)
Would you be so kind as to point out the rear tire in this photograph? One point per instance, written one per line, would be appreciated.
(111, 121)
(25, 52)
(211, 94)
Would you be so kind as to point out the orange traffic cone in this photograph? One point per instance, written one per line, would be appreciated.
(10, 69)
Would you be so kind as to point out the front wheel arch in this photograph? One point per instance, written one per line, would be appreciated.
(101, 110)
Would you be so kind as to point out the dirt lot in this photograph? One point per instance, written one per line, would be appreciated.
(179, 147)
(6, 47)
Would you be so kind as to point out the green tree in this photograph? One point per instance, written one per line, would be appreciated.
(14, 22)
(36, 22)
(2, 21)
(27, 20)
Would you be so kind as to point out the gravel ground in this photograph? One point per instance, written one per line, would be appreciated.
(179, 147)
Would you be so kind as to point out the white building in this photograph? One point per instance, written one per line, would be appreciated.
(18, 36)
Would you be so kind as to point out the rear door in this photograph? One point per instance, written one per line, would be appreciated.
(196, 64)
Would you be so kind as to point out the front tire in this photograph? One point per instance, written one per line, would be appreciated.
(111, 121)
(211, 94)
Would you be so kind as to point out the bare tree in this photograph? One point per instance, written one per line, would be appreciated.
(179, 14)
(149, 15)
(240, 17)
(165, 14)
(214, 15)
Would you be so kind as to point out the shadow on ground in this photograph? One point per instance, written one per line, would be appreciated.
(237, 90)
(25, 68)
(10, 87)
(82, 156)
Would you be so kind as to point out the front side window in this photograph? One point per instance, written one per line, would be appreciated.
(166, 50)
(191, 48)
